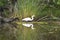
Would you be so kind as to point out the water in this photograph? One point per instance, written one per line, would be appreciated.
(25, 32)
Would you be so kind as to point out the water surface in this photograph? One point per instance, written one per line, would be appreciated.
(26, 32)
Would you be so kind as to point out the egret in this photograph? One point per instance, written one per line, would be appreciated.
(28, 19)
(28, 25)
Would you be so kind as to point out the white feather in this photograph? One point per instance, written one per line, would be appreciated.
(28, 19)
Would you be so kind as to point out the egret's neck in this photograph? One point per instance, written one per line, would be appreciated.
(32, 17)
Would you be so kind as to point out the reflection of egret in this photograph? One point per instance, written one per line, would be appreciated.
(28, 19)
(28, 25)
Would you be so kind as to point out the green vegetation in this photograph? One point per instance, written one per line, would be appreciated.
(45, 29)
(39, 8)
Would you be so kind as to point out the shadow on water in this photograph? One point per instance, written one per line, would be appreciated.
(25, 31)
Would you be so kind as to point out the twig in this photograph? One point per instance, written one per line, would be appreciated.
(42, 18)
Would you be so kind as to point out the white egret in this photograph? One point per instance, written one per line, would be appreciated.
(28, 19)
(28, 25)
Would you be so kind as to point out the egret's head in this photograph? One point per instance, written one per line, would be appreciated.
(33, 15)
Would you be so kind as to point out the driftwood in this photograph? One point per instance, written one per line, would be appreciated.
(42, 18)
(7, 20)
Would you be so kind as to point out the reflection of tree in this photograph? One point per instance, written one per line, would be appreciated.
(8, 31)
(13, 25)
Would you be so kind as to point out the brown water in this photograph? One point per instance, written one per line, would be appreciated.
(40, 32)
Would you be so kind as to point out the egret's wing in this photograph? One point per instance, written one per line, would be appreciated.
(26, 19)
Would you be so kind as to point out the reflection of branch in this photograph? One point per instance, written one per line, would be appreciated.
(42, 18)
(14, 25)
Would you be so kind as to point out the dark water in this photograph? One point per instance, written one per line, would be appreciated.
(26, 32)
